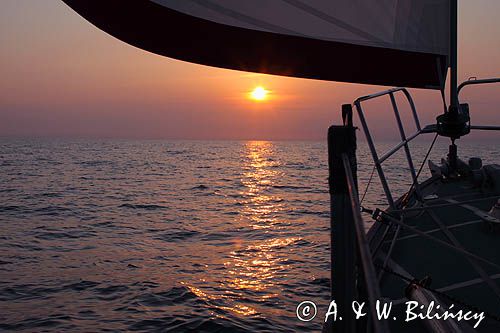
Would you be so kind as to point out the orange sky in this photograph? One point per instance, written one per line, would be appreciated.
(61, 76)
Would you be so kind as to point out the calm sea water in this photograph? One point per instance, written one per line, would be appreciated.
(170, 235)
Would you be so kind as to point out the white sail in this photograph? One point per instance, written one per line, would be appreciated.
(410, 25)
(386, 42)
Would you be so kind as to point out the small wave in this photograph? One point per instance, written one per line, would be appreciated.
(175, 295)
(142, 206)
(193, 325)
(103, 224)
(51, 195)
(51, 210)
(177, 152)
(146, 284)
(323, 282)
(82, 285)
(110, 290)
(26, 292)
(220, 236)
(51, 235)
(200, 187)
(173, 236)
(289, 187)
(10, 208)
(32, 324)
(95, 163)
(310, 212)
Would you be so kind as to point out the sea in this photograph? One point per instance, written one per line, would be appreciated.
(175, 236)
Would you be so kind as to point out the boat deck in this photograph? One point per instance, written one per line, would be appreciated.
(467, 271)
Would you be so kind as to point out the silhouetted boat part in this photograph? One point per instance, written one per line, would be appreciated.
(437, 243)
(399, 43)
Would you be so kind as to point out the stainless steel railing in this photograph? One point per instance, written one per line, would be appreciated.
(404, 138)
(368, 276)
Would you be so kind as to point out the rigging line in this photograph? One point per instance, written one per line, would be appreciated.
(367, 185)
(244, 18)
(389, 252)
(453, 226)
(330, 19)
(381, 242)
(443, 98)
(434, 239)
(442, 83)
(468, 283)
(439, 293)
(450, 204)
(427, 155)
(457, 243)
(420, 169)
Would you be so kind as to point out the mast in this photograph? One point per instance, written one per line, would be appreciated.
(454, 104)
(455, 123)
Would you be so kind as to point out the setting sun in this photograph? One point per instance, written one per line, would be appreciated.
(259, 94)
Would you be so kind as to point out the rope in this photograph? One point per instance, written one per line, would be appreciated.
(412, 185)
(444, 101)
(367, 185)
(439, 293)
(427, 155)
(420, 170)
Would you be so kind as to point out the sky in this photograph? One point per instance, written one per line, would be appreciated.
(63, 77)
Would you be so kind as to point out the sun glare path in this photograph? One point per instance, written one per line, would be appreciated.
(259, 94)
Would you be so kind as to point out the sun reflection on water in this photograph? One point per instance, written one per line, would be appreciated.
(261, 172)
(252, 267)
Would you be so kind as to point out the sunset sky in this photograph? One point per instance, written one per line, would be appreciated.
(62, 77)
